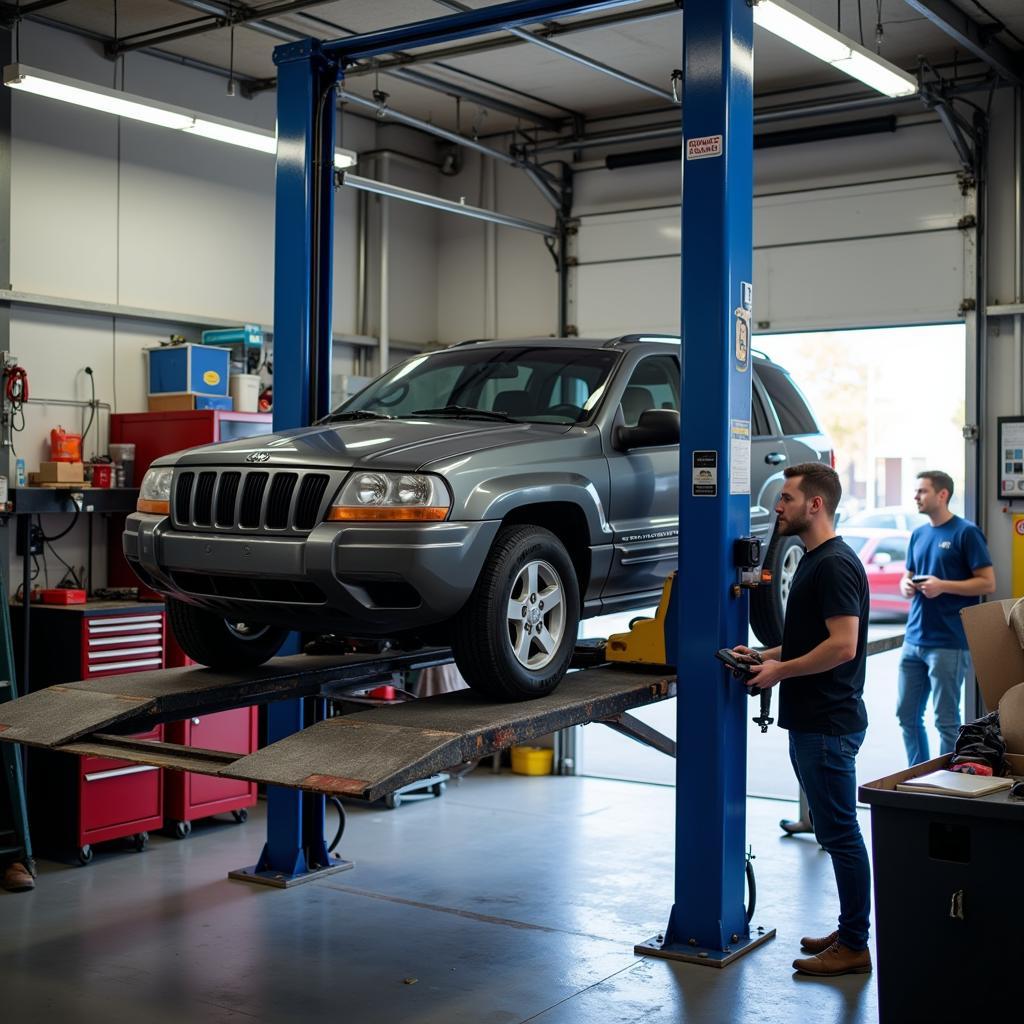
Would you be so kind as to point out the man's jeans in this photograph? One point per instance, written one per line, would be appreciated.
(939, 671)
(824, 766)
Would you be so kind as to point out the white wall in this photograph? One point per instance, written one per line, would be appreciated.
(127, 214)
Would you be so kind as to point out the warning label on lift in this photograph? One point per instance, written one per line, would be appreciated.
(703, 146)
(705, 474)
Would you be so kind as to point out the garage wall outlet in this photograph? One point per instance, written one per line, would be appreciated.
(35, 542)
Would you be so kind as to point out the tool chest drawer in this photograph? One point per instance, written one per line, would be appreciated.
(117, 798)
(122, 643)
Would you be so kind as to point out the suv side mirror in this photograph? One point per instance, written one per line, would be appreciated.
(881, 558)
(656, 427)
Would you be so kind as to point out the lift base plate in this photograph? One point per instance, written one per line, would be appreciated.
(703, 955)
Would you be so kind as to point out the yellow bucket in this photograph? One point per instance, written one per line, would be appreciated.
(532, 760)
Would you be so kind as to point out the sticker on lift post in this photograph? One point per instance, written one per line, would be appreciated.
(742, 314)
(705, 474)
(703, 146)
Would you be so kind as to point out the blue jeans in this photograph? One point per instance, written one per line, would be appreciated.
(824, 766)
(939, 671)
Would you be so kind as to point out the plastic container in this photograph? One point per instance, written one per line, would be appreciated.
(245, 392)
(102, 474)
(65, 447)
(123, 457)
(532, 760)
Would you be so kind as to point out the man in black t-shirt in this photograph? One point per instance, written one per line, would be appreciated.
(821, 667)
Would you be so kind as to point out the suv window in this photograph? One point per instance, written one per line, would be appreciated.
(531, 383)
(794, 415)
(762, 426)
(654, 384)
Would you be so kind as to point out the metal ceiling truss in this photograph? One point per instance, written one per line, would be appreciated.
(976, 39)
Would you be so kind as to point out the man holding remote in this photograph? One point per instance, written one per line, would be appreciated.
(822, 660)
(948, 567)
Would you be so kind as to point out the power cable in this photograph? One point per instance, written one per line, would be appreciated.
(92, 407)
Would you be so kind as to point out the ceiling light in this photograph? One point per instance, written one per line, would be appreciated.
(781, 18)
(137, 108)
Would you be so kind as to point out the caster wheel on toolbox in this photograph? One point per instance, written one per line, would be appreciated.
(140, 841)
(241, 816)
(392, 800)
(84, 855)
(182, 829)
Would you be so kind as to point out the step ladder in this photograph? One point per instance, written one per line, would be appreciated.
(15, 842)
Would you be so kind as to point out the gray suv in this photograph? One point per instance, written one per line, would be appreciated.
(487, 495)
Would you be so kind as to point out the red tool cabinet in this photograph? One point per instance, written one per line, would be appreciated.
(187, 796)
(78, 801)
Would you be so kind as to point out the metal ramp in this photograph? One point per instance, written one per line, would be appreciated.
(365, 755)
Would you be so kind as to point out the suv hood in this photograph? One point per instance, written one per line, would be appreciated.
(377, 444)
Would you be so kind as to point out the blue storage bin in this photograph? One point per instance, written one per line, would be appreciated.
(191, 369)
(223, 403)
(249, 335)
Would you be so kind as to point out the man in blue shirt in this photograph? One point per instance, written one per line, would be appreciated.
(948, 568)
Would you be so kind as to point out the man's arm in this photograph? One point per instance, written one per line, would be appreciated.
(983, 581)
(907, 589)
(839, 648)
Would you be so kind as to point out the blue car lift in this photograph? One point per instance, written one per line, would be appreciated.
(708, 923)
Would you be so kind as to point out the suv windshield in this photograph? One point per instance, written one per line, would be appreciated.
(521, 384)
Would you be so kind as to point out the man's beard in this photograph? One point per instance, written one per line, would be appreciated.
(794, 527)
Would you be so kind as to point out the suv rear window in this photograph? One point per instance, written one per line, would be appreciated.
(791, 408)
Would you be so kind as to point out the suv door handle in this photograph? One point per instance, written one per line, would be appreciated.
(774, 458)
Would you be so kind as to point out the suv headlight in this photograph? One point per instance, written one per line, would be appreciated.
(391, 496)
(155, 492)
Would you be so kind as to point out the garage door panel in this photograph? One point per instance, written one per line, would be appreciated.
(877, 209)
(627, 298)
(881, 253)
(623, 236)
(874, 282)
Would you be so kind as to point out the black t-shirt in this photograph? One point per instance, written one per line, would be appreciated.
(829, 581)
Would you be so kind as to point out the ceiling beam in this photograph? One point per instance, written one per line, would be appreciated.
(574, 55)
(974, 38)
(242, 16)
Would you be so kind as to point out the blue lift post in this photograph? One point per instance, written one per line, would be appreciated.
(708, 922)
(296, 850)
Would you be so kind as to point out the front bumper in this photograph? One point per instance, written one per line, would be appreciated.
(367, 578)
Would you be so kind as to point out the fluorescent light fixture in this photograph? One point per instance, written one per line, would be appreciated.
(137, 108)
(788, 22)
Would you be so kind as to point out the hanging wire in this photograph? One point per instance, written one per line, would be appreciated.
(879, 30)
(860, 21)
(17, 32)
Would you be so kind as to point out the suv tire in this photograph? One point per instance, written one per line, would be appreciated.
(215, 642)
(768, 604)
(511, 657)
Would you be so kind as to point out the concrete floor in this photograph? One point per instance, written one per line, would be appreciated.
(509, 899)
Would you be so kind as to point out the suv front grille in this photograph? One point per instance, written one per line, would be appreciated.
(272, 501)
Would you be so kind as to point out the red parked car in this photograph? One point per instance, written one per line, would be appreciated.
(884, 554)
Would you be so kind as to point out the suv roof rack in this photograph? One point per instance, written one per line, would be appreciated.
(632, 339)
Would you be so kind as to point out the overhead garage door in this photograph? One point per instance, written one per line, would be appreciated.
(883, 253)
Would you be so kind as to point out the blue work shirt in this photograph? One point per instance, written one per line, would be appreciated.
(951, 551)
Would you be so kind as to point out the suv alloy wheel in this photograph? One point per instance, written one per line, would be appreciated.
(515, 637)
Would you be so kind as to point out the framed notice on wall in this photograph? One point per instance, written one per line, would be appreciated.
(1011, 457)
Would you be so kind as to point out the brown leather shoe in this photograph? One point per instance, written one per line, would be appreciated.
(17, 878)
(836, 960)
(816, 946)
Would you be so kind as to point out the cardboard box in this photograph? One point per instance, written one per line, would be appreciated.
(997, 656)
(186, 402)
(61, 473)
